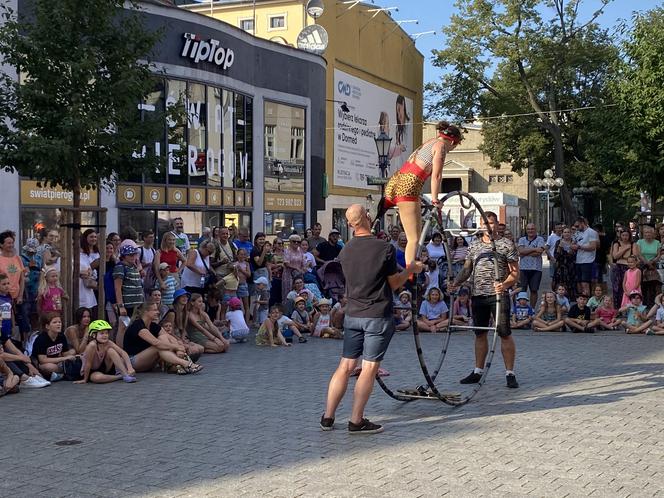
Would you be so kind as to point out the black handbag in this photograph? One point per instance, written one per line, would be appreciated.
(211, 278)
(72, 369)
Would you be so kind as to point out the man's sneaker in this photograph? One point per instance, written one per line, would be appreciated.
(650, 331)
(364, 427)
(473, 378)
(511, 381)
(327, 424)
(32, 383)
(55, 377)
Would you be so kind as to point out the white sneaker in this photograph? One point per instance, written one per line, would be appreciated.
(42, 380)
(32, 383)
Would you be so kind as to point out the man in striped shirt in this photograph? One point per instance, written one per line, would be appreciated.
(481, 264)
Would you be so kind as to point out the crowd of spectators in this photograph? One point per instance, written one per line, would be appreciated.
(168, 303)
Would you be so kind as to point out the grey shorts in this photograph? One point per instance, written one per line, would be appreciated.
(368, 337)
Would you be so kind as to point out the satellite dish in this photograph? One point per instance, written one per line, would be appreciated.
(313, 39)
(315, 8)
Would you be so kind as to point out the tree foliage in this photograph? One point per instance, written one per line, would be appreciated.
(536, 59)
(72, 119)
(624, 144)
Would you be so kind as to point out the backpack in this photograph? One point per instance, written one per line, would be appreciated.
(150, 281)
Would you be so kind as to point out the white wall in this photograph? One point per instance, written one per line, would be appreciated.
(9, 191)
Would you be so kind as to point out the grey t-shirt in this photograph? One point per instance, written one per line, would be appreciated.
(481, 254)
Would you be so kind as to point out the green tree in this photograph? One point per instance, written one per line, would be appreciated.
(621, 145)
(73, 119)
(532, 58)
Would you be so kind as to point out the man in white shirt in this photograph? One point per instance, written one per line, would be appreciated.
(555, 236)
(585, 245)
(181, 238)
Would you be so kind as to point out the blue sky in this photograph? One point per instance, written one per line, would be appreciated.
(433, 14)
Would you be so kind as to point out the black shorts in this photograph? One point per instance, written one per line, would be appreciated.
(368, 337)
(530, 279)
(584, 272)
(484, 307)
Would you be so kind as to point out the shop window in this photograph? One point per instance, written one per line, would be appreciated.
(284, 224)
(192, 220)
(277, 22)
(214, 158)
(249, 141)
(228, 118)
(451, 184)
(152, 109)
(34, 219)
(237, 220)
(501, 178)
(197, 139)
(339, 222)
(297, 143)
(269, 140)
(240, 176)
(285, 138)
(247, 25)
(140, 220)
(177, 143)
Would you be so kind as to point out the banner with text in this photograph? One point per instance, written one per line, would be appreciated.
(372, 109)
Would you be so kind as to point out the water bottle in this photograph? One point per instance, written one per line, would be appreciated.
(203, 277)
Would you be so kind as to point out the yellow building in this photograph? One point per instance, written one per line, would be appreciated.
(374, 69)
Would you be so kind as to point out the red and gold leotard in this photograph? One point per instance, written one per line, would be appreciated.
(406, 185)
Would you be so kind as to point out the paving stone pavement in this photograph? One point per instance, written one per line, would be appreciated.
(585, 422)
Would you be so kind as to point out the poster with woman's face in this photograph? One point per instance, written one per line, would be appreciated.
(372, 110)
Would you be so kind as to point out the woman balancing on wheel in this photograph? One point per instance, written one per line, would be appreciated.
(405, 187)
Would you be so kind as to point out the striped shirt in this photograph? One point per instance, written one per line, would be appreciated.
(481, 254)
(132, 286)
(167, 294)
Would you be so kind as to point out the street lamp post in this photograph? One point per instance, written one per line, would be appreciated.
(383, 142)
(547, 185)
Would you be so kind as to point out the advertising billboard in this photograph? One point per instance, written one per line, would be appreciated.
(371, 109)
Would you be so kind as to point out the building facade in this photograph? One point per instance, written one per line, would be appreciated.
(374, 70)
(245, 153)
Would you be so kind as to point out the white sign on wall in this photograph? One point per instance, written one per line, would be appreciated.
(372, 109)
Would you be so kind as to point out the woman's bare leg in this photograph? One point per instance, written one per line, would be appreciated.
(411, 219)
(100, 378)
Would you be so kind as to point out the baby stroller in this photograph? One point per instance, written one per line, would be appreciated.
(332, 280)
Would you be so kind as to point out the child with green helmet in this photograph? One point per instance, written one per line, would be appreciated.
(103, 360)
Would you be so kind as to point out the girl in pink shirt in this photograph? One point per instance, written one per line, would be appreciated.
(50, 294)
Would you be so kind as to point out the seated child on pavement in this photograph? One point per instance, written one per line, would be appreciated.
(522, 313)
(578, 316)
(462, 313)
(433, 312)
(269, 333)
(606, 315)
(103, 360)
(301, 316)
(239, 329)
(403, 314)
(636, 321)
(322, 325)
(261, 300)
